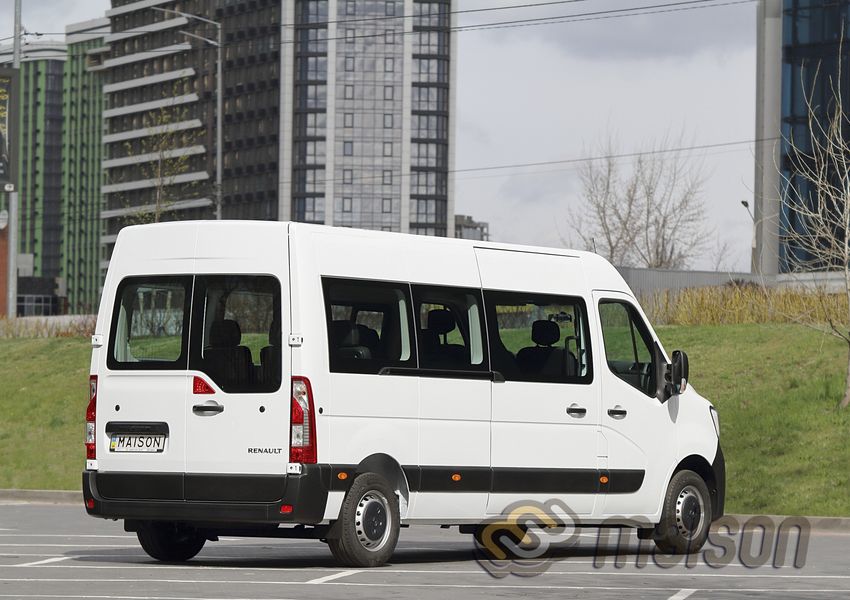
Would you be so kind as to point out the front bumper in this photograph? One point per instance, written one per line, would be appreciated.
(718, 494)
(225, 499)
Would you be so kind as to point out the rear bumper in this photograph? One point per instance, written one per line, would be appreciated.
(230, 499)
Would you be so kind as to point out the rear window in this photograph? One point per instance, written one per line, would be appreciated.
(150, 323)
(234, 337)
(236, 333)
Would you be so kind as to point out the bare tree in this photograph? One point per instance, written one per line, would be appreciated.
(651, 216)
(818, 196)
(164, 155)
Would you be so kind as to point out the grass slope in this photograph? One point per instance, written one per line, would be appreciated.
(44, 385)
(776, 386)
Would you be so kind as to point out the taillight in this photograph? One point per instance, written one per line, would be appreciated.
(302, 423)
(91, 414)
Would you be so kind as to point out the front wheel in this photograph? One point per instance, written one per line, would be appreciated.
(368, 523)
(170, 542)
(687, 515)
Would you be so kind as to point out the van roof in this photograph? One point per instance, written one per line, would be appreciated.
(600, 272)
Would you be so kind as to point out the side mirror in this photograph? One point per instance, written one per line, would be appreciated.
(679, 372)
(671, 379)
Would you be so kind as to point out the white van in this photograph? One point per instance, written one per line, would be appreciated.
(294, 380)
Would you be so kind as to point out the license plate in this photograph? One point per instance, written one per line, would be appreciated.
(121, 442)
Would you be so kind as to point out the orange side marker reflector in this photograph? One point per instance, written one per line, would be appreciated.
(342, 476)
(603, 479)
(456, 477)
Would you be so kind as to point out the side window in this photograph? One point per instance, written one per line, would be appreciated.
(150, 322)
(236, 337)
(538, 337)
(628, 345)
(450, 323)
(370, 325)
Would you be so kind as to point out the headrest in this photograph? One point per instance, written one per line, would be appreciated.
(225, 334)
(545, 333)
(441, 321)
(274, 333)
(339, 332)
(367, 337)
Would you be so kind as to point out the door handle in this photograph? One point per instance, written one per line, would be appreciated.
(574, 410)
(618, 412)
(208, 408)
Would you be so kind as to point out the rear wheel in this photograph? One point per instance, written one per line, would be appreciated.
(687, 515)
(368, 523)
(170, 542)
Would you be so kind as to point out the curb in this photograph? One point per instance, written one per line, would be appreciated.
(42, 496)
(819, 524)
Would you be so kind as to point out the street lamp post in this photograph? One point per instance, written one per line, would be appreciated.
(219, 95)
(754, 242)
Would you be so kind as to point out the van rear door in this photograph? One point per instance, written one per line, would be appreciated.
(141, 421)
(237, 416)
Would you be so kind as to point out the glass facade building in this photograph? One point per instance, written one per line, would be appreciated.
(371, 134)
(815, 50)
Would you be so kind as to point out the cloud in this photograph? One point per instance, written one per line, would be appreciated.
(539, 103)
(711, 28)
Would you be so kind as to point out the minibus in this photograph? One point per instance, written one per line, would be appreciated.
(276, 379)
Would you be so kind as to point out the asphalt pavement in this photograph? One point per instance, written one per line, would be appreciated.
(57, 551)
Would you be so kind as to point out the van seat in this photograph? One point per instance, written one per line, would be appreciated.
(543, 358)
(226, 361)
(350, 340)
(272, 355)
(436, 352)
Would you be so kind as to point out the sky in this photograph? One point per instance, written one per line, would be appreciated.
(560, 91)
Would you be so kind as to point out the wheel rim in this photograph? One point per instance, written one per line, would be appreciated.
(373, 521)
(690, 512)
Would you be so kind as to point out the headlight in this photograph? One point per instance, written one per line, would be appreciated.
(715, 418)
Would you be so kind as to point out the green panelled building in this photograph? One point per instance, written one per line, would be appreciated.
(59, 171)
(39, 157)
(82, 108)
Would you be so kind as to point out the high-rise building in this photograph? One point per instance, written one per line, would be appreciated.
(815, 64)
(799, 53)
(335, 112)
(82, 109)
(159, 113)
(372, 91)
(39, 157)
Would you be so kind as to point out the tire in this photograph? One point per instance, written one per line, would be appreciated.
(686, 518)
(368, 523)
(170, 542)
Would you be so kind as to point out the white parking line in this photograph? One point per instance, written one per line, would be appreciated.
(327, 578)
(493, 586)
(90, 596)
(69, 545)
(394, 571)
(65, 535)
(46, 561)
(682, 594)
